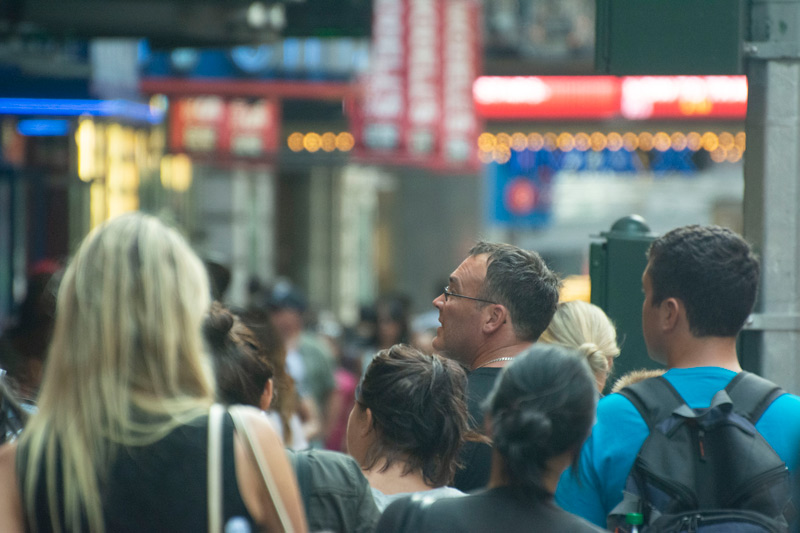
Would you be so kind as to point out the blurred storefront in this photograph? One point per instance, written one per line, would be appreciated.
(74, 151)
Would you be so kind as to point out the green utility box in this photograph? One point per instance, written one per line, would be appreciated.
(616, 267)
(675, 37)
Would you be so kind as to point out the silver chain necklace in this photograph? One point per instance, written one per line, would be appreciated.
(493, 361)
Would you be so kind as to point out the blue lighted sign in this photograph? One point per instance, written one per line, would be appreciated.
(34, 127)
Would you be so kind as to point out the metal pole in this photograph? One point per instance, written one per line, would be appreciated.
(772, 185)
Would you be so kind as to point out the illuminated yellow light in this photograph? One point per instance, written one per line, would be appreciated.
(726, 140)
(582, 142)
(630, 141)
(181, 173)
(734, 155)
(709, 141)
(132, 179)
(694, 141)
(345, 141)
(176, 172)
(550, 141)
(502, 153)
(295, 142)
(661, 141)
(115, 135)
(486, 156)
(86, 141)
(503, 139)
(140, 154)
(535, 141)
(519, 142)
(678, 141)
(740, 141)
(97, 204)
(486, 141)
(328, 141)
(719, 154)
(599, 141)
(614, 141)
(166, 172)
(565, 142)
(312, 142)
(646, 141)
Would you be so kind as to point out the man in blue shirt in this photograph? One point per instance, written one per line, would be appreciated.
(700, 286)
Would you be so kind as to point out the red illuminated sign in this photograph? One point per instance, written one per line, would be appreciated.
(547, 97)
(645, 97)
(417, 107)
(603, 97)
(214, 125)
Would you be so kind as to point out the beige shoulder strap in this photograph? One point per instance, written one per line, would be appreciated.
(215, 468)
(244, 431)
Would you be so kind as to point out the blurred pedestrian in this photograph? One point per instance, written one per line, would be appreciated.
(540, 411)
(308, 359)
(408, 424)
(23, 346)
(120, 441)
(588, 329)
(497, 303)
(336, 496)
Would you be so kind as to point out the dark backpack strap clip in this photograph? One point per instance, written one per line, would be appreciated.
(654, 398)
(752, 395)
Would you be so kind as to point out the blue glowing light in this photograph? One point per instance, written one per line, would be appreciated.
(121, 109)
(33, 127)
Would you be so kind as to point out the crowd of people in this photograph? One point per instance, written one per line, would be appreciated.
(136, 400)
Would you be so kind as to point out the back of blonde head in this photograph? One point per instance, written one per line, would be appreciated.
(584, 326)
(126, 362)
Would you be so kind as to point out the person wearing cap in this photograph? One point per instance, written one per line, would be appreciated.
(308, 360)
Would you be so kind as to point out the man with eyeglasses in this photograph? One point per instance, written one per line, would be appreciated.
(496, 304)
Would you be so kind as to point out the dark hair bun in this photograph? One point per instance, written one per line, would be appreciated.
(217, 325)
(522, 433)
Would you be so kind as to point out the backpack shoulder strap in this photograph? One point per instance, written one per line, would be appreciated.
(752, 395)
(654, 398)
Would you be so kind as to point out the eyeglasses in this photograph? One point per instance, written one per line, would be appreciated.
(447, 294)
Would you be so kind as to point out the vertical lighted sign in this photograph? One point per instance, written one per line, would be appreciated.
(423, 40)
(418, 107)
(461, 63)
(385, 102)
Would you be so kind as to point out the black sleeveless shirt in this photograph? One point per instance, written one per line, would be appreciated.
(161, 487)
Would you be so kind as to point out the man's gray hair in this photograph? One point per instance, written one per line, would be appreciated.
(521, 281)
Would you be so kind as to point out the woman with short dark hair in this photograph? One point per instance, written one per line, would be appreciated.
(541, 411)
(408, 424)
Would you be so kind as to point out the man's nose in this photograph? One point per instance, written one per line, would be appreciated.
(438, 302)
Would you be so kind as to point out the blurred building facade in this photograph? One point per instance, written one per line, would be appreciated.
(352, 164)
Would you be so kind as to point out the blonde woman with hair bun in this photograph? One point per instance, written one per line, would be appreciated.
(585, 327)
(120, 441)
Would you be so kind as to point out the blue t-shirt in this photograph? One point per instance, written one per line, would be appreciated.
(619, 432)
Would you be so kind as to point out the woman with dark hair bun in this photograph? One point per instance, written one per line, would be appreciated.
(540, 411)
(408, 424)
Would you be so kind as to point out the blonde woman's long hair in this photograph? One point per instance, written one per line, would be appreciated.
(126, 364)
(585, 327)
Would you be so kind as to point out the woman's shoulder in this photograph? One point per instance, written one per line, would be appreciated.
(10, 502)
(495, 509)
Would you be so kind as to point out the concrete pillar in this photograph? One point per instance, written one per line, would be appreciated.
(771, 202)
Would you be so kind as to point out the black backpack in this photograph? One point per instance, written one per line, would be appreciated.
(705, 470)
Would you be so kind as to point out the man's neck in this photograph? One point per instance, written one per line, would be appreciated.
(497, 357)
(705, 351)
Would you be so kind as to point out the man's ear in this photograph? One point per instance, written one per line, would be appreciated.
(266, 396)
(497, 316)
(671, 310)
